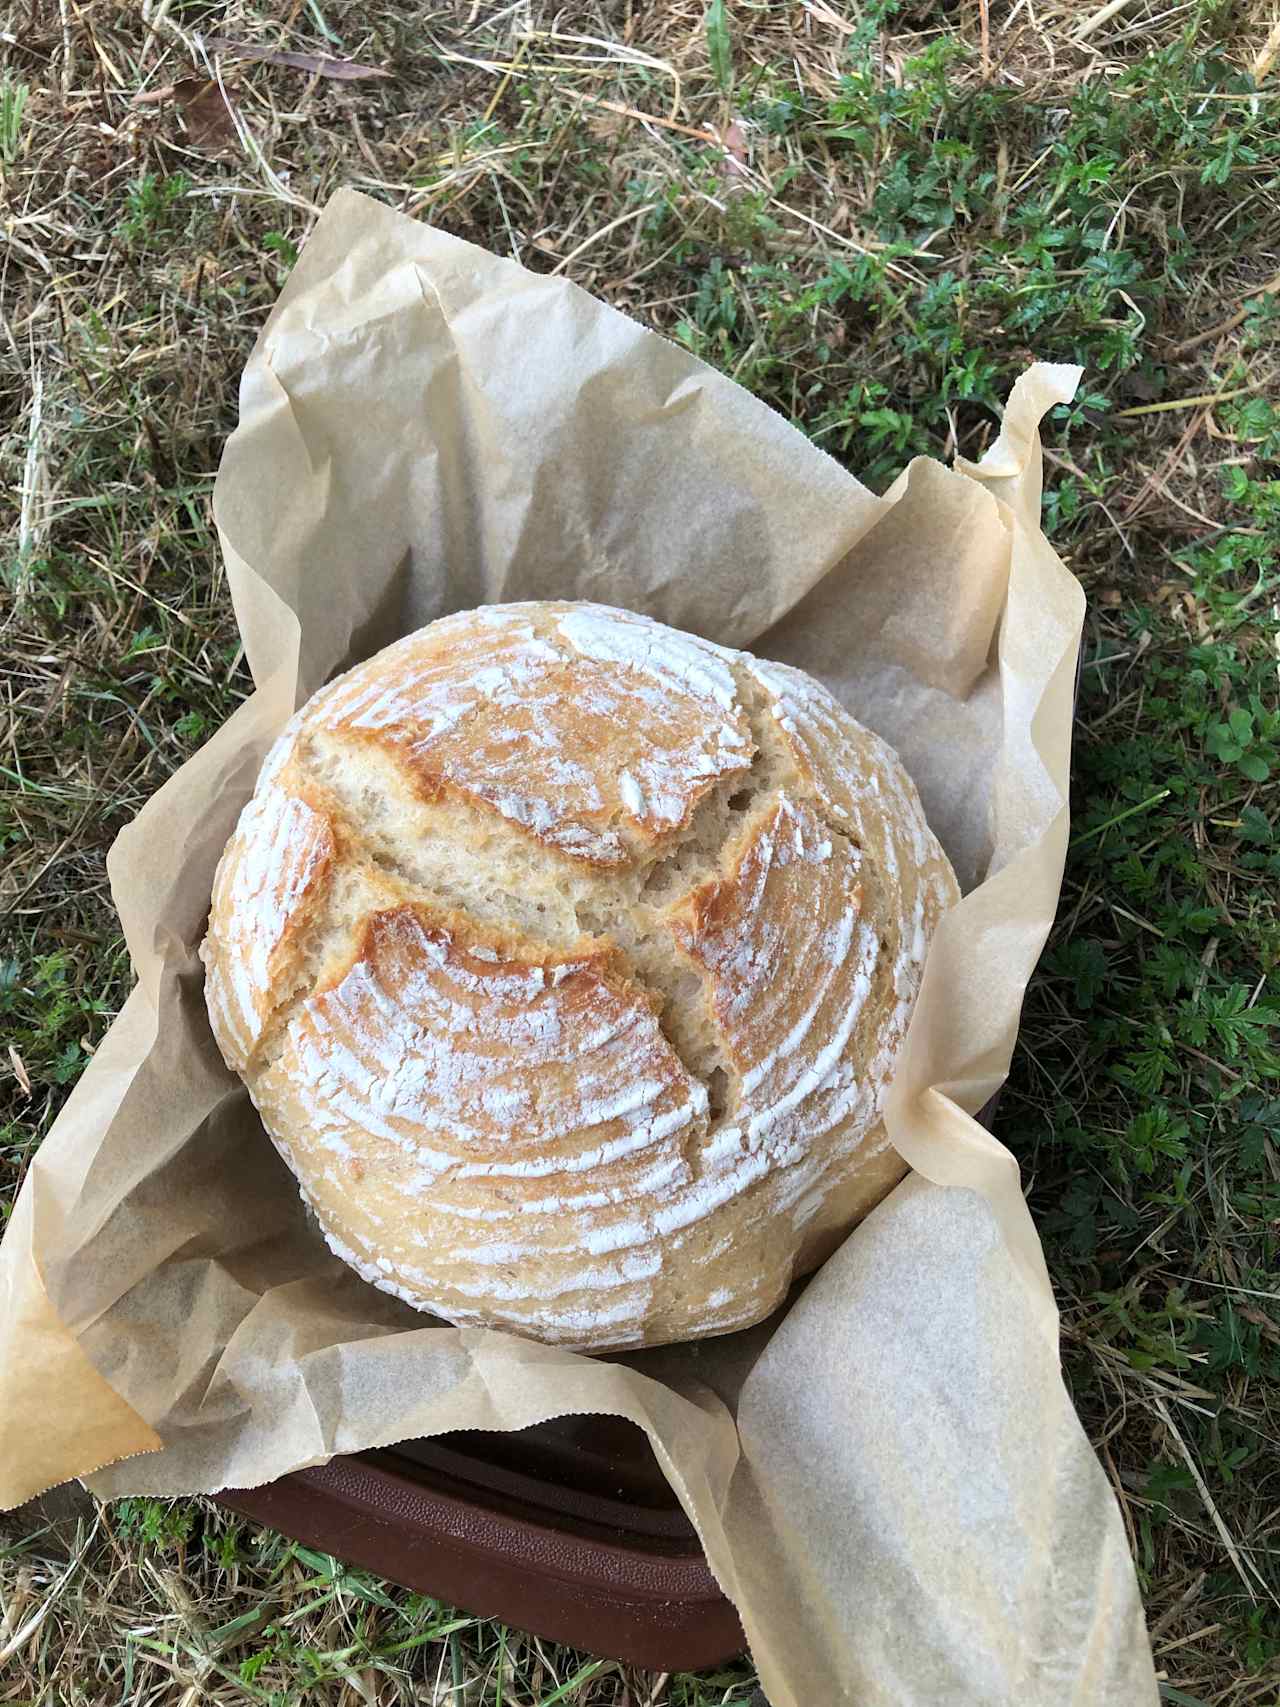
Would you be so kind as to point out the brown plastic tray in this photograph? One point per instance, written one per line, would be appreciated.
(569, 1530)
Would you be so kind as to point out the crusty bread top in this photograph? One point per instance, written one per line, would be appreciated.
(600, 738)
(567, 958)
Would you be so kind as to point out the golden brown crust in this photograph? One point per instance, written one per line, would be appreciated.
(586, 758)
(478, 1085)
(567, 959)
(811, 1053)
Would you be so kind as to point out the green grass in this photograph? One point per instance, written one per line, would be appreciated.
(13, 99)
(893, 225)
(180, 1596)
(1145, 1105)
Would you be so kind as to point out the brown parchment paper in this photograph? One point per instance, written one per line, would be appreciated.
(888, 1478)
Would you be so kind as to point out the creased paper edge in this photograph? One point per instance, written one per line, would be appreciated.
(64, 1397)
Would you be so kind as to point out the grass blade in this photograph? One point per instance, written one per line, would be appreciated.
(719, 46)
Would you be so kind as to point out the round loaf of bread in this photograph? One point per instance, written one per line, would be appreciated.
(567, 958)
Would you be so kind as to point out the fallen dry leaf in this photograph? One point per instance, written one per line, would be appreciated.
(316, 64)
(734, 139)
(204, 107)
(205, 113)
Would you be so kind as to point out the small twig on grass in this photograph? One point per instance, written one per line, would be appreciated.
(1088, 835)
(503, 86)
(817, 9)
(872, 248)
(658, 1688)
(1155, 480)
(1230, 324)
(1060, 461)
(1144, 26)
(22, 1636)
(644, 118)
(617, 53)
(1218, 1066)
(1219, 1286)
(1207, 397)
(622, 219)
(155, 22)
(1188, 1597)
(1122, 1498)
(1224, 1534)
(1182, 1641)
(68, 50)
(31, 519)
(1097, 19)
(313, 64)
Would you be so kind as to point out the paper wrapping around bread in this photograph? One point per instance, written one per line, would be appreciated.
(888, 1478)
(567, 958)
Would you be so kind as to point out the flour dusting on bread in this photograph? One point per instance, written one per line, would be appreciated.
(567, 958)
